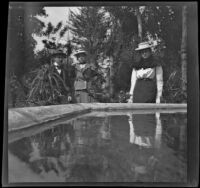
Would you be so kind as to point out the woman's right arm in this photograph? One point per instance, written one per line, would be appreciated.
(133, 81)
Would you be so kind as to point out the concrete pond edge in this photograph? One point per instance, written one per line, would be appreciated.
(20, 118)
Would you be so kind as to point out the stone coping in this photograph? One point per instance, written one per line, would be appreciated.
(19, 118)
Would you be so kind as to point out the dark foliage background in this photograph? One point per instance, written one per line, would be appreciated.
(104, 32)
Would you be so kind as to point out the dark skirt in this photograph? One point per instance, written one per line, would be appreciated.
(144, 124)
(145, 91)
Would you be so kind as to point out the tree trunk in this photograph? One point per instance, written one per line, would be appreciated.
(111, 77)
(139, 20)
(183, 49)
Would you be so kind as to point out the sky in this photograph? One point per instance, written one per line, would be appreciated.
(55, 15)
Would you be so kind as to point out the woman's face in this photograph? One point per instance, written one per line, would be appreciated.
(146, 53)
(82, 58)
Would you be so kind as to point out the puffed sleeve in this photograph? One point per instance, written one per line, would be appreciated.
(159, 78)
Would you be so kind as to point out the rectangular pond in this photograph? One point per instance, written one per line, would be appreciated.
(103, 147)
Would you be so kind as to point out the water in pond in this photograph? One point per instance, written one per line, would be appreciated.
(108, 148)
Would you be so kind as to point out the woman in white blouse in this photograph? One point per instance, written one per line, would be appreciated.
(146, 78)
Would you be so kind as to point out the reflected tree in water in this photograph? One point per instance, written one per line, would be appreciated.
(107, 149)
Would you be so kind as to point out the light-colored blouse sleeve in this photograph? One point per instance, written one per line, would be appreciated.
(133, 81)
(159, 80)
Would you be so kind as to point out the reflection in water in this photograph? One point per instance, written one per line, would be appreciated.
(158, 133)
(145, 131)
(133, 148)
(147, 122)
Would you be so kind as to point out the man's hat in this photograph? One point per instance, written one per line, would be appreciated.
(143, 45)
(57, 53)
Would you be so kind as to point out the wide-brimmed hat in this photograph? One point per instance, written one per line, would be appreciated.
(159, 45)
(78, 52)
(57, 53)
(143, 45)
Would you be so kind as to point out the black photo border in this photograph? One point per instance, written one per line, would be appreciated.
(192, 101)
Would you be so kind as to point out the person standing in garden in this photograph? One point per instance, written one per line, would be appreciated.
(146, 78)
(84, 73)
(62, 64)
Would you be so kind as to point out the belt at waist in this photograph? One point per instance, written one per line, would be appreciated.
(146, 79)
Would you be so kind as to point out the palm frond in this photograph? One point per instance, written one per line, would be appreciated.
(57, 28)
(63, 31)
(58, 76)
(51, 85)
(33, 91)
(55, 80)
(49, 29)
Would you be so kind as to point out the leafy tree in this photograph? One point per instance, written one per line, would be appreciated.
(22, 60)
(21, 24)
(119, 26)
(166, 23)
(110, 31)
(20, 45)
(54, 37)
(89, 29)
(122, 40)
(47, 85)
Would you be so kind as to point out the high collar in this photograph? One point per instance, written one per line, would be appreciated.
(146, 63)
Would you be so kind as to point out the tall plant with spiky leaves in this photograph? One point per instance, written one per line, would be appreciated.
(47, 85)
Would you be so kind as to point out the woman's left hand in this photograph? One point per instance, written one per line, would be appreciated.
(69, 98)
(158, 100)
(130, 100)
